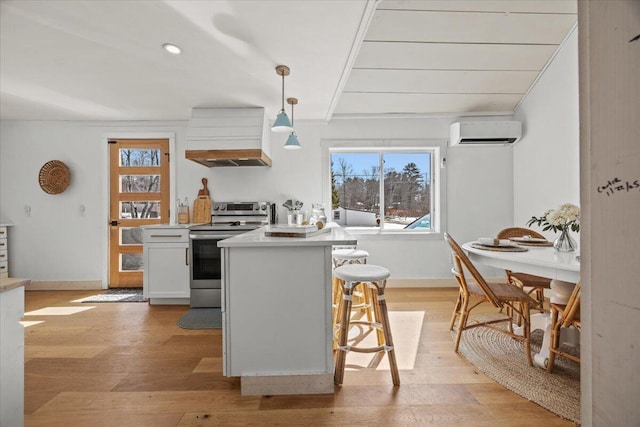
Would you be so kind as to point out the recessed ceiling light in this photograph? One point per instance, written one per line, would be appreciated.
(172, 48)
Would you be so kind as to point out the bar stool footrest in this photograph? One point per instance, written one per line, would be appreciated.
(378, 349)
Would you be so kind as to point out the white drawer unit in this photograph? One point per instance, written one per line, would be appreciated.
(166, 265)
(4, 252)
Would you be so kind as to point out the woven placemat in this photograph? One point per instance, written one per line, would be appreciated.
(541, 244)
(499, 248)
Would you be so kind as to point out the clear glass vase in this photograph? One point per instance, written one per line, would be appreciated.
(318, 216)
(564, 242)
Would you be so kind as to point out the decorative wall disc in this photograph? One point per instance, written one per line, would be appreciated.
(54, 177)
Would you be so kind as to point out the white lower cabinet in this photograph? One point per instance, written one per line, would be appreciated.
(4, 252)
(166, 265)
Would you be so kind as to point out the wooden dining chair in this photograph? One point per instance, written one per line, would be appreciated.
(532, 284)
(473, 293)
(564, 316)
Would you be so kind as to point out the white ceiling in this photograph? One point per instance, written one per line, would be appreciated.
(102, 60)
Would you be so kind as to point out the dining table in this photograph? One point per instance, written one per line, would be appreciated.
(544, 261)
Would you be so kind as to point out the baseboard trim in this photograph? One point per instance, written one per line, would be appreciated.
(64, 285)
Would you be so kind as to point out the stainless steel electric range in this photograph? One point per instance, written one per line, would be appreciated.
(227, 219)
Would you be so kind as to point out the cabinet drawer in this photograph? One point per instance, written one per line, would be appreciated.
(4, 267)
(3, 232)
(4, 244)
(4, 255)
(165, 235)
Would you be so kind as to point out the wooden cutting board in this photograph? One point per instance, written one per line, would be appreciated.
(202, 210)
(202, 205)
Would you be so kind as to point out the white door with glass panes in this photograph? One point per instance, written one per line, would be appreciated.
(139, 195)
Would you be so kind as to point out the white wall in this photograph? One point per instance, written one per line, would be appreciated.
(546, 160)
(59, 243)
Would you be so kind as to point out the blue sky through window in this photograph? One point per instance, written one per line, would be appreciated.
(364, 161)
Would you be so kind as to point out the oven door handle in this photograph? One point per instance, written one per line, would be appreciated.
(210, 236)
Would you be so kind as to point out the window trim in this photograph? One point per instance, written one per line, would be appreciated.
(436, 146)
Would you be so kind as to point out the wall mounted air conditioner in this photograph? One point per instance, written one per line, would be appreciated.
(485, 133)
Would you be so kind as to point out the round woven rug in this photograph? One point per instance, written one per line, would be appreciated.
(502, 359)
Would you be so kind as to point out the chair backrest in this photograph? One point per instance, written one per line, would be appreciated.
(506, 233)
(463, 262)
(571, 312)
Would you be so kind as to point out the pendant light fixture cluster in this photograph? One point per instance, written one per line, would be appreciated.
(282, 123)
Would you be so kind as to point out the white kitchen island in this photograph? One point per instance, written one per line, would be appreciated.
(276, 311)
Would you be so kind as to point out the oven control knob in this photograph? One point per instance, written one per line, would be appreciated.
(223, 207)
(216, 207)
(263, 207)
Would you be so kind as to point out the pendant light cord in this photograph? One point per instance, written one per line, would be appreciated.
(282, 74)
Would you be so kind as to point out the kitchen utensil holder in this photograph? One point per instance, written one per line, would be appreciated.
(183, 215)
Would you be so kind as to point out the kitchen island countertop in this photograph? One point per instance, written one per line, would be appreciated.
(7, 284)
(256, 238)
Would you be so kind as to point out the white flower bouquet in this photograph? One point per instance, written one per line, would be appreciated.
(566, 217)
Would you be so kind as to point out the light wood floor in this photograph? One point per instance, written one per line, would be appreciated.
(129, 364)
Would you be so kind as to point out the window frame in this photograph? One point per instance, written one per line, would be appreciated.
(434, 146)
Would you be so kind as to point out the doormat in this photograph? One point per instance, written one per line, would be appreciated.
(117, 295)
(201, 318)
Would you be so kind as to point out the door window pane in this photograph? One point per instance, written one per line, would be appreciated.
(135, 210)
(131, 236)
(139, 183)
(139, 157)
(130, 262)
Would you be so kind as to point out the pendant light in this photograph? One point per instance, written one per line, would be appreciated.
(292, 142)
(282, 123)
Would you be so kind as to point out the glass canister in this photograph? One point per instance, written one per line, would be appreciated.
(318, 216)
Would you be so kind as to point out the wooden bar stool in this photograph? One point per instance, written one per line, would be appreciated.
(374, 278)
(362, 299)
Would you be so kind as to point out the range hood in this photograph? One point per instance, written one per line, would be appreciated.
(228, 137)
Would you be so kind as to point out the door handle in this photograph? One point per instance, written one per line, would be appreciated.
(114, 223)
(186, 256)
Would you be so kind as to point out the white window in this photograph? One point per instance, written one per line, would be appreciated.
(382, 190)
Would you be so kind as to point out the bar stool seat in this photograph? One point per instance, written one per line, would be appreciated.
(349, 256)
(374, 279)
(361, 273)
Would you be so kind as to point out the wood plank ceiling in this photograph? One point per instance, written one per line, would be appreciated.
(453, 57)
(103, 61)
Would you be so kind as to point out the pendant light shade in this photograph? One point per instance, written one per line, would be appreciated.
(282, 123)
(293, 143)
